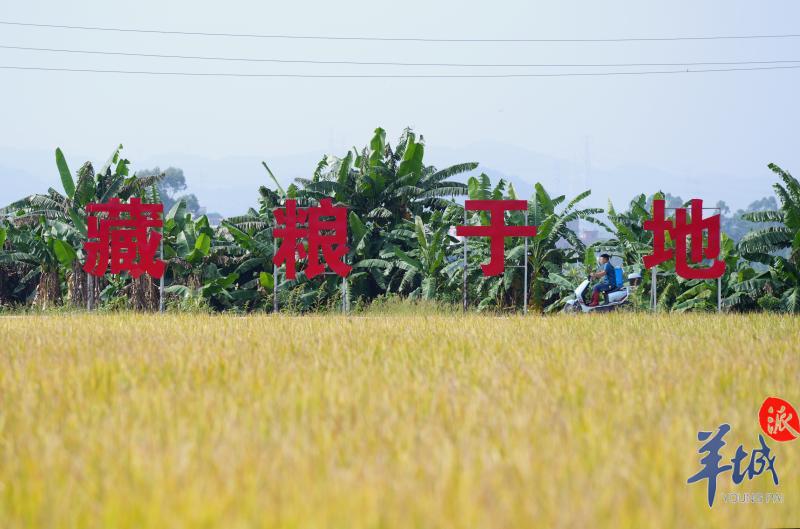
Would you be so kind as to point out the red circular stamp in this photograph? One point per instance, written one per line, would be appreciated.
(779, 419)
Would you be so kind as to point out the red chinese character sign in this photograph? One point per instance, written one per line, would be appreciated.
(324, 230)
(124, 238)
(686, 232)
(779, 419)
(497, 230)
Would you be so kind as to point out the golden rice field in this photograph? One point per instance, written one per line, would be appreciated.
(399, 421)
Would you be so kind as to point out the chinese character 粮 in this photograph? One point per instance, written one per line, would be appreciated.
(324, 228)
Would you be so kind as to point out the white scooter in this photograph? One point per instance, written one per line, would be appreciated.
(616, 298)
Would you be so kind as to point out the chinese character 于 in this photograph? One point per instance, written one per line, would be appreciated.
(680, 231)
(126, 242)
(497, 230)
(321, 234)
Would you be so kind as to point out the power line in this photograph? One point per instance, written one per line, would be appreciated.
(402, 76)
(398, 39)
(393, 63)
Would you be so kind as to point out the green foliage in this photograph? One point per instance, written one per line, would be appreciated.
(402, 247)
(769, 303)
(66, 176)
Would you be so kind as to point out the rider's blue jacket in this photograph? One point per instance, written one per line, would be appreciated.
(611, 276)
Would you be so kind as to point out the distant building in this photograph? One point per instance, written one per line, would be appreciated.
(589, 236)
(586, 232)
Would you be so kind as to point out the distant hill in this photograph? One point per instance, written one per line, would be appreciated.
(229, 185)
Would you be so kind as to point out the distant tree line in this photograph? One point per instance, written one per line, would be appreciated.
(401, 244)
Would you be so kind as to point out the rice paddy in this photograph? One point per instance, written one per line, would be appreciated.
(386, 421)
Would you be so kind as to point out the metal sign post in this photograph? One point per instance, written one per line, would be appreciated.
(344, 295)
(161, 280)
(525, 280)
(89, 292)
(274, 277)
(464, 285)
(653, 290)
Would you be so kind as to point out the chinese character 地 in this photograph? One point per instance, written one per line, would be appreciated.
(759, 461)
(326, 236)
(497, 230)
(680, 231)
(124, 238)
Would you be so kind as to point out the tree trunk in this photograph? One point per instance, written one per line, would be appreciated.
(94, 288)
(77, 286)
(535, 302)
(5, 285)
(194, 281)
(144, 293)
(48, 292)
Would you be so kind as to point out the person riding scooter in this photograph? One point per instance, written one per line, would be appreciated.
(609, 282)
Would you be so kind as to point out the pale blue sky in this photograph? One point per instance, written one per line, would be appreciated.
(707, 135)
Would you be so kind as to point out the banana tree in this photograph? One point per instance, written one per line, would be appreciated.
(766, 244)
(188, 248)
(555, 243)
(39, 249)
(372, 262)
(784, 234)
(68, 208)
(422, 266)
(385, 185)
(629, 240)
(253, 252)
(382, 188)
